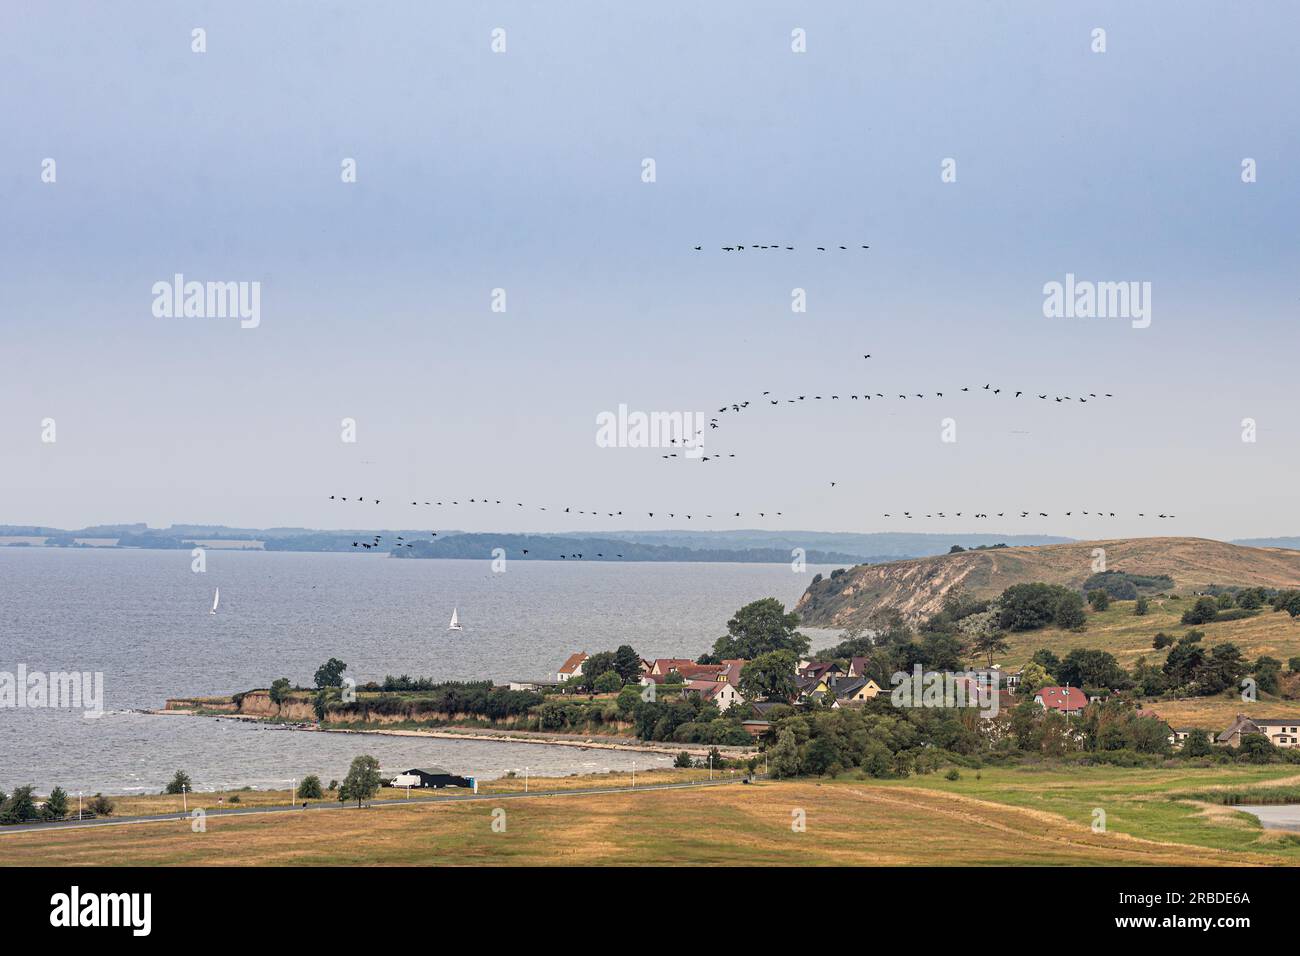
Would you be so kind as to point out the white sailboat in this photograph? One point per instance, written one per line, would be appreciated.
(455, 622)
(216, 599)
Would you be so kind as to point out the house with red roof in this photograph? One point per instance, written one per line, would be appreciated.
(572, 667)
(1067, 700)
(663, 665)
(731, 669)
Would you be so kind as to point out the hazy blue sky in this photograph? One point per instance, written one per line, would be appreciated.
(522, 171)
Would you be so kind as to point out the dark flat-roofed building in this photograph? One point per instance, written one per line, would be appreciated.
(436, 778)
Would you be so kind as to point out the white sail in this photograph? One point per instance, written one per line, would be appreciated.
(216, 599)
(455, 622)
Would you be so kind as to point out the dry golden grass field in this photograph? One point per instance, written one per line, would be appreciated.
(162, 803)
(1127, 636)
(995, 816)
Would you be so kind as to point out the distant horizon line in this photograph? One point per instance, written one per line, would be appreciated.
(8, 529)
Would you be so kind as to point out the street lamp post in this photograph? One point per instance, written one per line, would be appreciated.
(525, 780)
(633, 774)
(78, 804)
(293, 791)
(185, 802)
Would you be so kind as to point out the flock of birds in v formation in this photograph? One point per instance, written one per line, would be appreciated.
(866, 395)
(737, 407)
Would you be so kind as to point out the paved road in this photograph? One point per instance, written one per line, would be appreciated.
(374, 804)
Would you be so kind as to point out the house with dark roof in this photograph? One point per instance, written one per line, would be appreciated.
(854, 690)
(761, 708)
(820, 669)
(1280, 731)
(432, 777)
(812, 687)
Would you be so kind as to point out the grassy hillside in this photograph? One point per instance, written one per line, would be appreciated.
(1129, 637)
(999, 816)
(917, 587)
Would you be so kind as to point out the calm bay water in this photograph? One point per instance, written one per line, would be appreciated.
(1279, 816)
(141, 618)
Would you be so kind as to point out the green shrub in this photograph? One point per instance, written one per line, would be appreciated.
(1069, 612)
(101, 806)
(1235, 614)
(1204, 611)
(56, 805)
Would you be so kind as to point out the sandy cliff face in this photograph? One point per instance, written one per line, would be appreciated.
(258, 703)
(917, 588)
